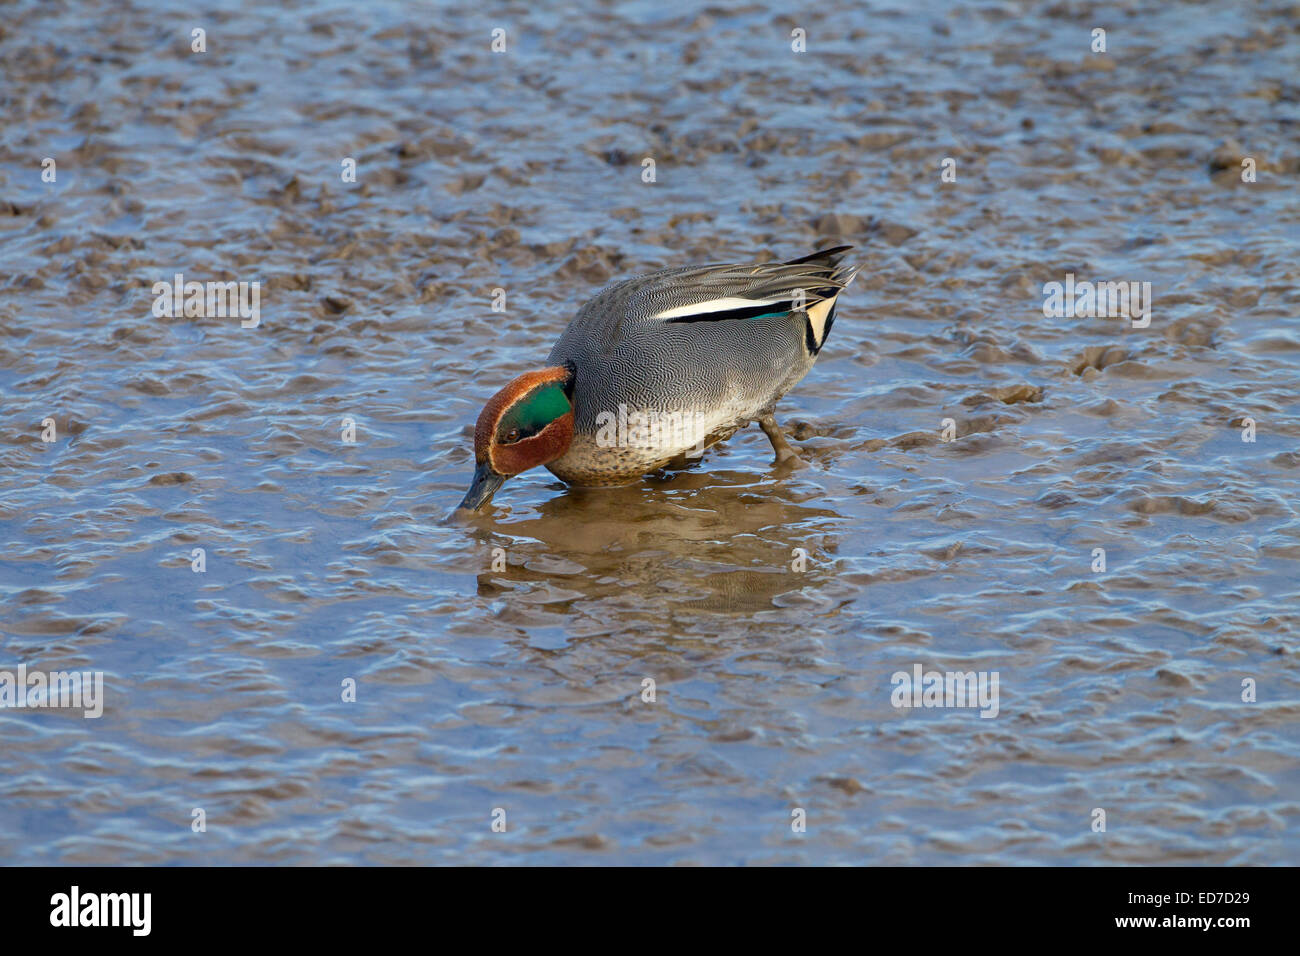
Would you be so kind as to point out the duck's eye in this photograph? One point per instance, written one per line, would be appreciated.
(512, 436)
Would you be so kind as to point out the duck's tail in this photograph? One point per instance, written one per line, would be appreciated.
(833, 258)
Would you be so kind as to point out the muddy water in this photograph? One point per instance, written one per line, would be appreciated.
(520, 688)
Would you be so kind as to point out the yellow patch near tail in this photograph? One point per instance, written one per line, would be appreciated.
(817, 319)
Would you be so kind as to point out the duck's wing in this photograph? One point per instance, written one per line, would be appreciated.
(715, 293)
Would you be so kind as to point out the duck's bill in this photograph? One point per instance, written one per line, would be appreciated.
(485, 485)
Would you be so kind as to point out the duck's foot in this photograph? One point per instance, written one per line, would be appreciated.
(785, 453)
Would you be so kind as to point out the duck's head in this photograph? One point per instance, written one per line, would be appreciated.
(526, 424)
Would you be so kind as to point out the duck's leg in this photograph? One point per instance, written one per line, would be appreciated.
(785, 454)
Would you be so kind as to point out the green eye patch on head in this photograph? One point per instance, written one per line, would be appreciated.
(530, 414)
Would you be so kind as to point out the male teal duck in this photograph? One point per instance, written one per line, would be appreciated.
(658, 367)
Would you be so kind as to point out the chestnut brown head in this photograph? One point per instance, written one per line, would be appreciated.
(526, 424)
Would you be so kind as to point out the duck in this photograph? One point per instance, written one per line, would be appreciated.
(657, 368)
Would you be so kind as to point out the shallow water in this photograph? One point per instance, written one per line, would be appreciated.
(520, 689)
